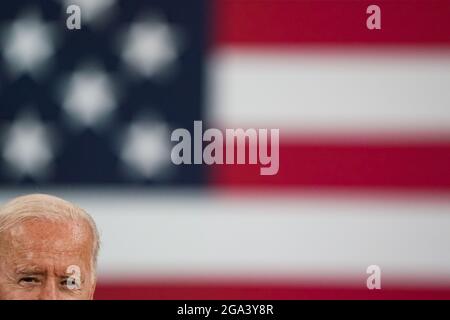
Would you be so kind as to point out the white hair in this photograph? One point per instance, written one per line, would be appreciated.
(43, 206)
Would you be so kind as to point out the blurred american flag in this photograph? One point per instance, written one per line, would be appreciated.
(364, 157)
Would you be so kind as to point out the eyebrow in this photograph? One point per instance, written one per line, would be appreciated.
(30, 270)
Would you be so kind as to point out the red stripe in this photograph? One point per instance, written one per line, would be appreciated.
(160, 291)
(311, 164)
(290, 22)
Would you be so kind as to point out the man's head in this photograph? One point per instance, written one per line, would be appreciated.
(48, 250)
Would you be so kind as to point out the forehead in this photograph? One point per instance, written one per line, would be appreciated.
(43, 235)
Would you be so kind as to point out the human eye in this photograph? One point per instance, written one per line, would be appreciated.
(70, 283)
(64, 282)
(29, 280)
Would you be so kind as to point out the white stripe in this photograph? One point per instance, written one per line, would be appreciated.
(316, 91)
(281, 237)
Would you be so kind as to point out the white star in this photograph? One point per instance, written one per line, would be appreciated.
(145, 148)
(91, 10)
(150, 47)
(27, 149)
(28, 45)
(88, 97)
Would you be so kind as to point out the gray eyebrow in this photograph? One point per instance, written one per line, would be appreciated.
(29, 269)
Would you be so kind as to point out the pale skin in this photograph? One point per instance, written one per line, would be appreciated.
(35, 260)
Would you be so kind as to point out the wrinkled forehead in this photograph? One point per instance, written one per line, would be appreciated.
(44, 235)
